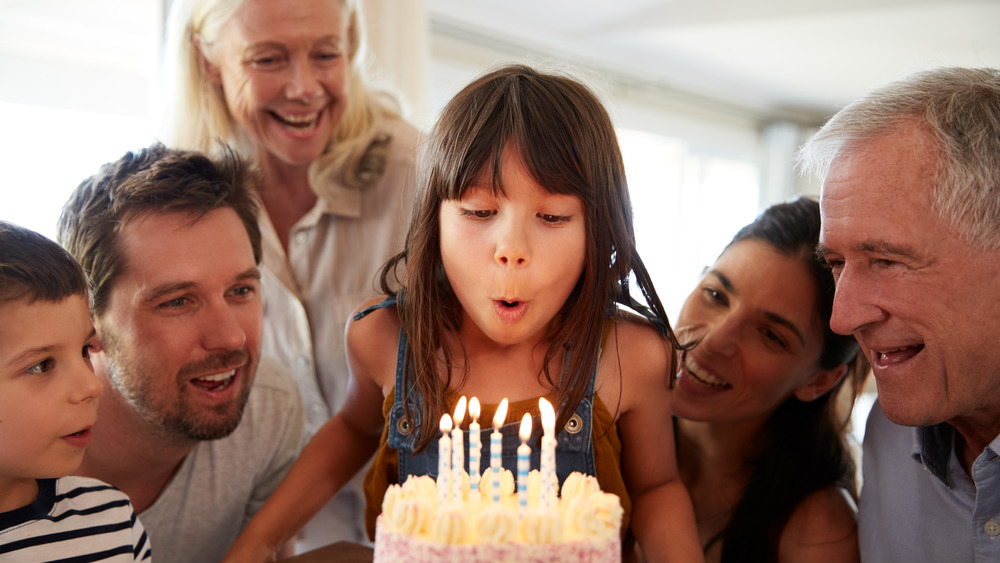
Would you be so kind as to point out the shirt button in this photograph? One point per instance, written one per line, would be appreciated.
(992, 528)
(300, 237)
(317, 407)
(303, 361)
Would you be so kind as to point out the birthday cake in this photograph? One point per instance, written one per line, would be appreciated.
(582, 525)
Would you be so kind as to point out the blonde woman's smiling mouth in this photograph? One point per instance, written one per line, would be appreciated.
(297, 121)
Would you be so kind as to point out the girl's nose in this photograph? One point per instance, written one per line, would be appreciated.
(513, 246)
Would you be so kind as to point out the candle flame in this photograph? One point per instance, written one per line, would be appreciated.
(445, 423)
(501, 414)
(474, 409)
(460, 411)
(548, 416)
(525, 432)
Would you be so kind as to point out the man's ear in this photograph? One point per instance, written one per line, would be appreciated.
(821, 382)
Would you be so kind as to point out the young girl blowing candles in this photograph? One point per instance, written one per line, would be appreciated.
(518, 255)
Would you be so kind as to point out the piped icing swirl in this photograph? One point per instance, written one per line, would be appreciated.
(450, 525)
(597, 515)
(583, 513)
(540, 526)
(496, 524)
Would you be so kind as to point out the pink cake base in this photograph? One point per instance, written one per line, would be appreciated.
(392, 547)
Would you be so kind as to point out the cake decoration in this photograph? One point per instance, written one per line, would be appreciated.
(424, 520)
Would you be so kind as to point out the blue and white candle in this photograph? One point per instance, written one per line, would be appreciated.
(444, 460)
(457, 453)
(496, 450)
(475, 449)
(523, 463)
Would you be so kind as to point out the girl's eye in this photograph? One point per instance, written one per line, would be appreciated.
(549, 218)
(41, 367)
(478, 213)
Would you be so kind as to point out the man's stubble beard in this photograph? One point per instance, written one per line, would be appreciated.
(175, 417)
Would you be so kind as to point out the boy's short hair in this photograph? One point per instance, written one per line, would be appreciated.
(33, 268)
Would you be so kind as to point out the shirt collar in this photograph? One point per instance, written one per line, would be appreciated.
(933, 447)
(338, 199)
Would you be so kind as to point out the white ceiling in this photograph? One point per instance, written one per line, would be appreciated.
(805, 58)
(798, 59)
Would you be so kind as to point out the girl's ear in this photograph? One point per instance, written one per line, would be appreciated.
(821, 382)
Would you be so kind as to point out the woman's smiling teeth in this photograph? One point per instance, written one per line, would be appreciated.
(216, 382)
(300, 122)
(703, 376)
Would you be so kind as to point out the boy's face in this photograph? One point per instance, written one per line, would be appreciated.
(48, 390)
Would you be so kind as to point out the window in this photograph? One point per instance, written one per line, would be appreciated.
(76, 94)
(686, 207)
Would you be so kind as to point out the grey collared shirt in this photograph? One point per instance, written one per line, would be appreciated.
(918, 504)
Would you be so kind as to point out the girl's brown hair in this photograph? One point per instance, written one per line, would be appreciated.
(567, 142)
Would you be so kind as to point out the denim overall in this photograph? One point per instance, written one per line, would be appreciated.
(574, 449)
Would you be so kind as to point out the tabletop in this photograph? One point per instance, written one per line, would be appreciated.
(341, 552)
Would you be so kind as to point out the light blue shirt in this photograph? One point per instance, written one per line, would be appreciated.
(918, 504)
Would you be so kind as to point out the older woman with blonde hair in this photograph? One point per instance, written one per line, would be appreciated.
(286, 83)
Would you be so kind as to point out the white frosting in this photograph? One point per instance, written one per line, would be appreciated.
(506, 483)
(540, 526)
(496, 524)
(584, 513)
(594, 515)
(426, 487)
(450, 525)
(578, 484)
(411, 516)
(534, 486)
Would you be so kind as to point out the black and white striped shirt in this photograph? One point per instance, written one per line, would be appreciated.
(73, 520)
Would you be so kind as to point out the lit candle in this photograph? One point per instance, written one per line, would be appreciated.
(475, 449)
(457, 453)
(496, 449)
(548, 462)
(444, 460)
(523, 463)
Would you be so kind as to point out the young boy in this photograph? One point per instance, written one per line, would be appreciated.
(48, 403)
